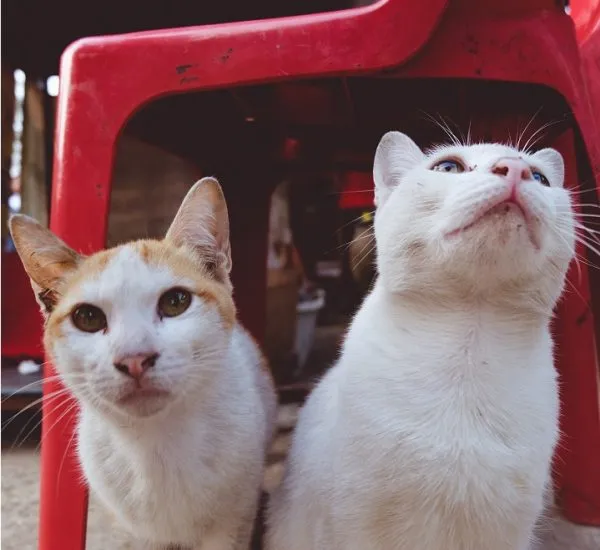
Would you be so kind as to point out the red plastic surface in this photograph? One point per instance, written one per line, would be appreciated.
(590, 62)
(586, 16)
(104, 80)
(357, 191)
(21, 318)
(576, 466)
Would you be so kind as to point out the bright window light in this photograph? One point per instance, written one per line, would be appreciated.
(52, 85)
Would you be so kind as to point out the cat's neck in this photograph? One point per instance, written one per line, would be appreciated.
(451, 314)
(433, 339)
(120, 423)
(517, 305)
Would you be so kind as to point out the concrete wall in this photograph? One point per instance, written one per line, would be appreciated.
(148, 187)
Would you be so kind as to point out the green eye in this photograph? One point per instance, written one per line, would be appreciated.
(450, 166)
(174, 302)
(88, 318)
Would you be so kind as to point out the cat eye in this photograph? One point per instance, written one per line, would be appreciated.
(538, 176)
(89, 318)
(174, 302)
(449, 166)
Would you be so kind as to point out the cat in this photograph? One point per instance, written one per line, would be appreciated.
(177, 404)
(436, 427)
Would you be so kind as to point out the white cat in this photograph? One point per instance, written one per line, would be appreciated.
(177, 406)
(436, 428)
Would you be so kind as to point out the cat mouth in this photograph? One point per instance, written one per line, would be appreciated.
(140, 395)
(502, 208)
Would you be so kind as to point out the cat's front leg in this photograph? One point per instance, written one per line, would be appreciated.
(144, 545)
(234, 539)
(221, 541)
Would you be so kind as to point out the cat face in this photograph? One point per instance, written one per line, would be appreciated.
(483, 217)
(136, 328)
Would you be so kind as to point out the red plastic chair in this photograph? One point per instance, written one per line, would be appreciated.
(104, 80)
(21, 318)
(586, 16)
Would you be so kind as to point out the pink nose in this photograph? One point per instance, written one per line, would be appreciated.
(512, 169)
(136, 365)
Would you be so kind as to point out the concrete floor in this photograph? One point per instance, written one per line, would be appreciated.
(20, 488)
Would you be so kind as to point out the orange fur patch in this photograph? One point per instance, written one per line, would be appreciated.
(87, 269)
(181, 261)
(185, 263)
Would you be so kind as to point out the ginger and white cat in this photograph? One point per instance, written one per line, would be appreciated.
(177, 406)
(436, 428)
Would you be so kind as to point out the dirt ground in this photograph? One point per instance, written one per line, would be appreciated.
(20, 488)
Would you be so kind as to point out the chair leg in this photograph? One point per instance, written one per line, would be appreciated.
(577, 463)
(78, 214)
(63, 494)
(249, 214)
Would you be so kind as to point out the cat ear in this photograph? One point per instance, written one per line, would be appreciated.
(46, 259)
(551, 159)
(396, 153)
(202, 223)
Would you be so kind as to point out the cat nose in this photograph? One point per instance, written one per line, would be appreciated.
(136, 365)
(512, 169)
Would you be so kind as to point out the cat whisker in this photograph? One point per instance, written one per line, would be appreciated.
(571, 286)
(589, 218)
(588, 244)
(585, 242)
(443, 125)
(581, 229)
(522, 133)
(67, 449)
(588, 205)
(55, 407)
(581, 259)
(370, 239)
(73, 407)
(364, 256)
(585, 209)
(533, 140)
(588, 230)
(367, 235)
(577, 192)
(354, 220)
(45, 398)
(468, 142)
(30, 385)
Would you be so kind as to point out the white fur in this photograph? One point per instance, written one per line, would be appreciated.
(187, 468)
(436, 428)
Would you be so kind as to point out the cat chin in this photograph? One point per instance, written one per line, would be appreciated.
(505, 225)
(145, 408)
(142, 407)
(143, 403)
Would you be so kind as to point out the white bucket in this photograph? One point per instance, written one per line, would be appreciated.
(307, 311)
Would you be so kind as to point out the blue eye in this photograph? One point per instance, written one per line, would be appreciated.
(448, 166)
(538, 176)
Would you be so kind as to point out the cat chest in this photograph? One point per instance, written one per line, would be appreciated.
(431, 493)
(158, 491)
(461, 448)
